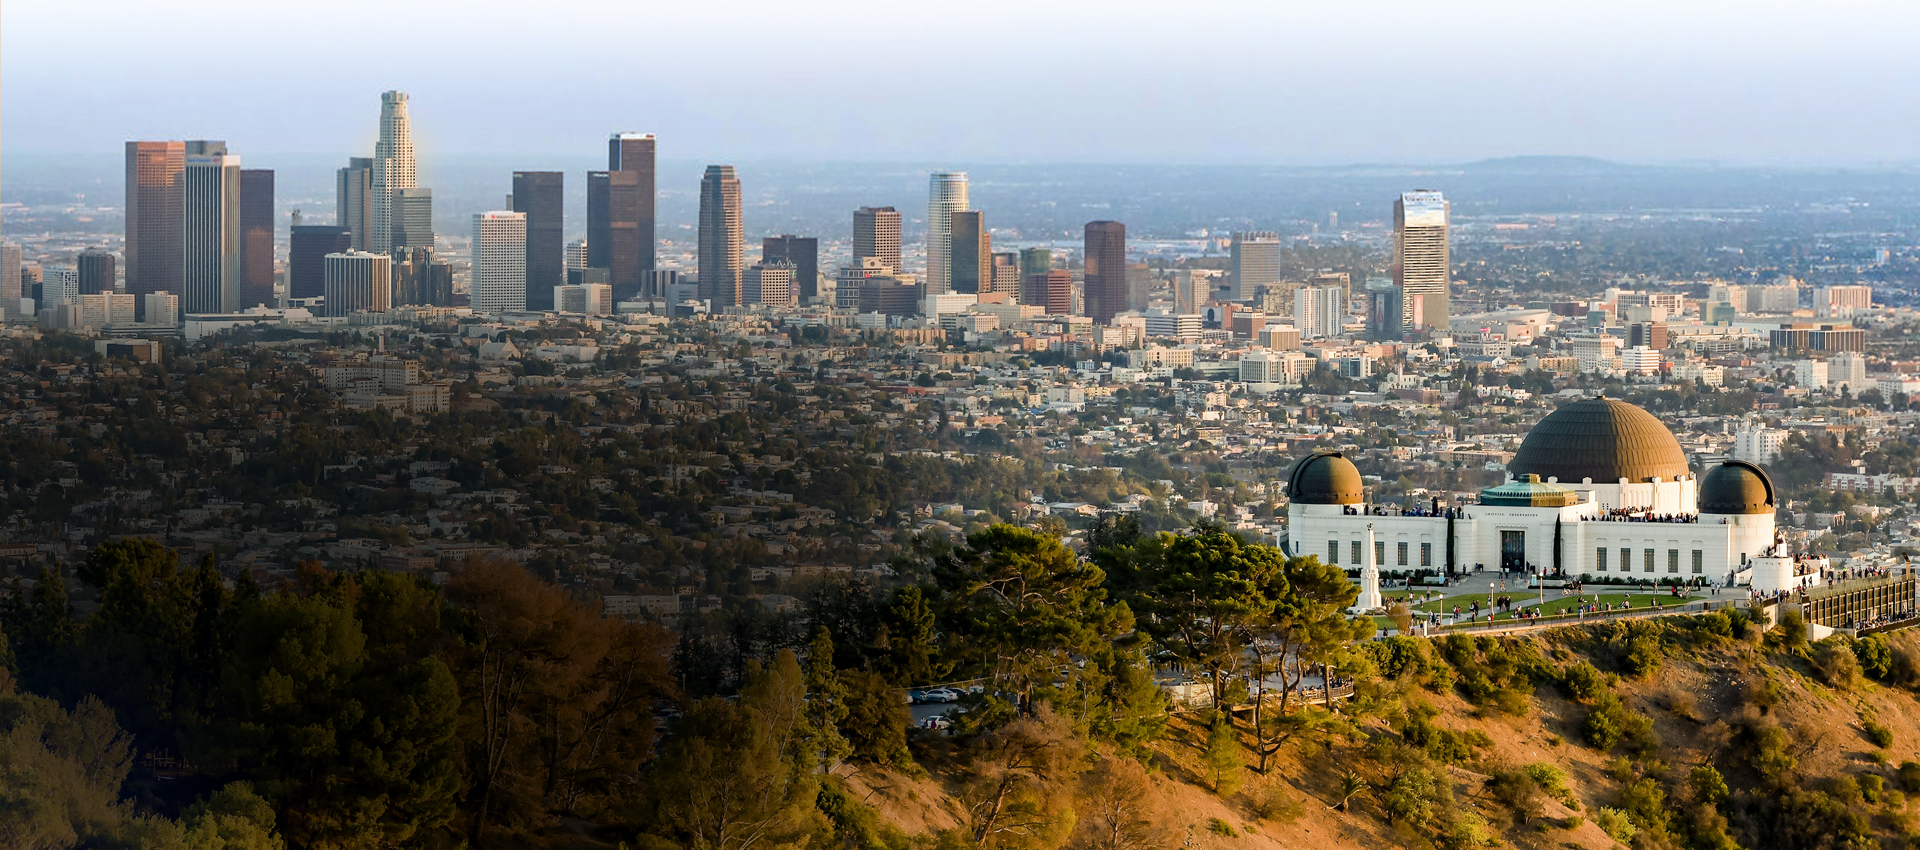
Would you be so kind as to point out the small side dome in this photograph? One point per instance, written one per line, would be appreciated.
(1736, 487)
(1325, 478)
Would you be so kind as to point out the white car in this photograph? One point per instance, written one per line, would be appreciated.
(941, 695)
(936, 722)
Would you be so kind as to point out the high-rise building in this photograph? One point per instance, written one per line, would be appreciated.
(540, 195)
(804, 253)
(96, 269)
(946, 195)
(1005, 276)
(210, 227)
(876, 233)
(1051, 291)
(1254, 262)
(575, 254)
(59, 285)
(353, 198)
(357, 282)
(1422, 260)
(393, 171)
(1319, 311)
(1106, 270)
(721, 251)
(633, 226)
(499, 278)
(770, 284)
(9, 276)
(585, 299)
(1035, 261)
(413, 218)
(160, 308)
(256, 237)
(657, 284)
(307, 257)
(969, 253)
(156, 180)
(1842, 301)
(1384, 314)
(421, 280)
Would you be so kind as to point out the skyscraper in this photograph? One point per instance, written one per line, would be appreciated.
(1006, 273)
(1035, 261)
(1319, 311)
(575, 254)
(9, 276)
(770, 283)
(156, 175)
(210, 226)
(721, 253)
(95, 266)
(1051, 291)
(1106, 270)
(393, 170)
(307, 253)
(946, 195)
(413, 218)
(970, 255)
(1422, 264)
(1254, 260)
(539, 194)
(419, 279)
(256, 237)
(358, 281)
(876, 233)
(499, 279)
(1384, 313)
(804, 253)
(632, 244)
(353, 196)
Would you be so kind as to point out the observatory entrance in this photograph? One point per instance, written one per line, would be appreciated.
(1513, 550)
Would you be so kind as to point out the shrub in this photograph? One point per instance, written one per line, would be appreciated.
(1224, 760)
(1646, 803)
(1876, 656)
(1516, 790)
(1616, 824)
(1553, 781)
(1881, 736)
(1275, 804)
(1708, 785)
(1610, 723)
(1644, 654)
(1583, 681)
(1469, 831)
(1220, 827)
(1792, 630)
(1835, 664)
(1907, 778)
(1872, 787)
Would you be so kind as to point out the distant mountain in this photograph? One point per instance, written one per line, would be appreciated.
(1543, 164)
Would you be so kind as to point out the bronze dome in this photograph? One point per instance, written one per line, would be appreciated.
(1736, 487)
(1325, 478)
(1602, 440)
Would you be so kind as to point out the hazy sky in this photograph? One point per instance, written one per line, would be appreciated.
(1331, 81)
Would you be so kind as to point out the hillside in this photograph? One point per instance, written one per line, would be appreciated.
(1792, 750)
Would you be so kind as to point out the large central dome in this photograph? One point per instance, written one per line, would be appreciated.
(1602, 440)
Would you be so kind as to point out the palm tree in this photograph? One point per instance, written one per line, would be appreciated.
(1351, 785)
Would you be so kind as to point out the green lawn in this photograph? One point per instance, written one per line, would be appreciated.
(1525, 597)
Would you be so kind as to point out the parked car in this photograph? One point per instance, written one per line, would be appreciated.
(936, 722)
(917, 697)
(942, 695)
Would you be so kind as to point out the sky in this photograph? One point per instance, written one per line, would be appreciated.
(1193, 81)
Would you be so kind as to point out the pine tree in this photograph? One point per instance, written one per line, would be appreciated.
(1224, 760)
(826, 702)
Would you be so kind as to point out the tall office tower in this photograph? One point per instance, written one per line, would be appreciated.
(160, 308)
(31, 276)
(770, 284)
(876, 233)
(1842, 301)
(1384, 314)
(1106, 270)
(353, 197)
(359, 282)
(969, 253)
(613, 203)
(1422, 265)
(1319, 311)
(211, 229)
(1254, 262)
(1005, 276)
(946, 195)
(1035, 261)
(307, 257)
(59, 285)
(499, 277)
(256, 237)
(421, 280)
(413, 218)
(575, 254)
(393, 171)
(156, 174)
(721, 252)
(804, 253)
(656, 284)
(96, 269)
(539, 194)
(1052, 291)
(9, 276)
(633, 234)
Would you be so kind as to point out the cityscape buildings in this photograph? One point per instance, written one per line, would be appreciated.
(1422, 259)
(357, 281)
(803, 252)
(308, 247)
(155, 216)
(1105, 287)
(210, 229)
(353, 199)
(1253, 263)
(876, 234)
(499, 277)
(969, 253)
(256, 237)
(722, 236)
(393, 171)
(540, 196)
(946, 195)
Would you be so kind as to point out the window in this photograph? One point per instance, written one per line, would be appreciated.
(1600, 559)
(1379, 552)
(1333, 551)
(1673, 560)
(1403, 554)
(1647, 562)
(1356, 554)
(1626, 560)
(1697, 562)
(1426, 554)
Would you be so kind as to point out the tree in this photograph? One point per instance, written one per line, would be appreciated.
(1200, 597)
(876, 722)
(737, 776)
(1023, 606)
(233, 818)
(1011, 796)
(60, 777)
(826, 702)
(909, 629)
(1121, 809)
(1223, 759)
(1306, 629)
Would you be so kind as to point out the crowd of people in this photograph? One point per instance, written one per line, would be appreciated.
(1639, 515)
